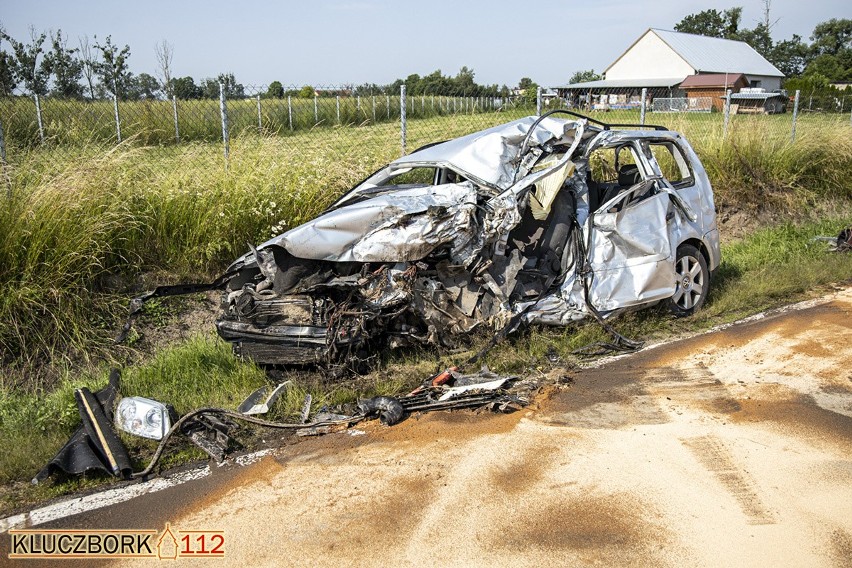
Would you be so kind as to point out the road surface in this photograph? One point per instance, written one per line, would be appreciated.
(733, 448)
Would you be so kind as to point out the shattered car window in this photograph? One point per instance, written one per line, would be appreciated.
(672, 163)
(412, 176)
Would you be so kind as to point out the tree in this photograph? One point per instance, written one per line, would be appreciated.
(758, 38)
(185, 88)
(34, 74)
(89, 61)
(832, 37)
(831, 50)
(232, 89)
(790, 56)
(712, 23)
(275, 90)
(306, 92)
(435, 83)
(465, 84)
(584, 76)
(7, 68)
(144, 86)
(525, 83)
(113, 69)
(67, 69)
(7, 74)
(165, 51)
(833, 67)
(530, 95)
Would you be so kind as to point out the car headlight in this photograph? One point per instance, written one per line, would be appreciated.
(143, 417)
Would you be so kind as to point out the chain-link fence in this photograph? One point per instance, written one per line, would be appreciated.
(370, 128)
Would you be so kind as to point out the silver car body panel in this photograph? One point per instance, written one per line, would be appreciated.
(630, 241)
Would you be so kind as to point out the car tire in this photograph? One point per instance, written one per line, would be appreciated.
(693, 281)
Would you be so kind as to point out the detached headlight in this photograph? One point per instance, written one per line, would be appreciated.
(143, 417)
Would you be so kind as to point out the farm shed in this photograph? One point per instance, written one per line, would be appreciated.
(704, 91)
(757, 101)
(659, 60)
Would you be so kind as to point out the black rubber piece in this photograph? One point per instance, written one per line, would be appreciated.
(390, 409)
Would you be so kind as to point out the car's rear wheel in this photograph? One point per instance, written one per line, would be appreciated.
(693, 281)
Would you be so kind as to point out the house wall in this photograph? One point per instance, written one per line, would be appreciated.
(768, 83)
(649, 58)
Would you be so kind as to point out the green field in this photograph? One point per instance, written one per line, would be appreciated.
(84, 227)
(152, 122)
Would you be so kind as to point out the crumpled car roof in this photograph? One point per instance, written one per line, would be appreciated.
(488, 157)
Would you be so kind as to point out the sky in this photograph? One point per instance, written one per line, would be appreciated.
(339, 42)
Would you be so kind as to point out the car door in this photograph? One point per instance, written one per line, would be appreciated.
(630, 249)
(667, 160)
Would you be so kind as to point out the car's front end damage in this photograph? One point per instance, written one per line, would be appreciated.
(489, 230)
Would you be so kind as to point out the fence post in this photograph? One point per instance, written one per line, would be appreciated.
(3, 163)
(40, 123)
(388, 106)
(727, 113)
(357, 105)
(226, 141)
(316, 110)
(2, 146)
(259, 117)
(538, 101)
(402, 116)
(642, 108)
(374, 109)
(338, 108)
(795, 116)
(290, 111)
(174, 109)
(117, 117)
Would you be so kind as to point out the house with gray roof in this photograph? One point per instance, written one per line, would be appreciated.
(660, 60)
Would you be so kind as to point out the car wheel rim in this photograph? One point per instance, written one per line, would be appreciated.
(690, 282)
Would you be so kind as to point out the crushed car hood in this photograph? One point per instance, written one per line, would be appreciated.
(403, 225)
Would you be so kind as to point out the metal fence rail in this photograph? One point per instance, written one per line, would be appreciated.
(343, 121)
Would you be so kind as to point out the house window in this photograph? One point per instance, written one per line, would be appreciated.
(755, 83)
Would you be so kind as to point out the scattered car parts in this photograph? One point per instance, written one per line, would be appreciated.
(94, 445)
(259, 402)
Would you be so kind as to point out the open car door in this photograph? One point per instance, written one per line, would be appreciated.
(630, 249)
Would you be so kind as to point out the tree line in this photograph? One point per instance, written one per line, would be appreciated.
(98, 69)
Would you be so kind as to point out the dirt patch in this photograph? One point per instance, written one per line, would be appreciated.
(521, 471)
(587, 528)
(796, 414)
(841, 543)
(447, 427)
(173, 321)
(735, 223)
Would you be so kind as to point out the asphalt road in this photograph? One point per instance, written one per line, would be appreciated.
(733, 448)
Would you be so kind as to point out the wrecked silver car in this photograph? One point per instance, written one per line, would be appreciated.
(541, 220)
